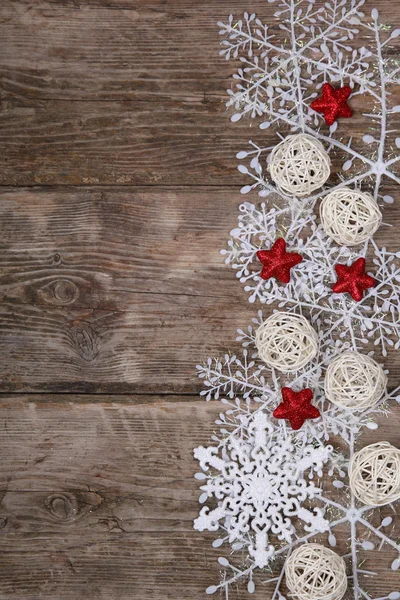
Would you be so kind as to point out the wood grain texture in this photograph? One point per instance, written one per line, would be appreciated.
(98, 499)
(106, 290)
(111, 282)
(120, 290)
(122, 93)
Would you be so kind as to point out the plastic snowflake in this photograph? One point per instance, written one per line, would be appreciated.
(261, 486)
(279, 76)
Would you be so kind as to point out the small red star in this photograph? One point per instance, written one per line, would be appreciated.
(353, 280)
(296, 407)
(277, 262)
(332, 104)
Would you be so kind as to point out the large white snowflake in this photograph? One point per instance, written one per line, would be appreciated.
(283, 66)
(260, 486)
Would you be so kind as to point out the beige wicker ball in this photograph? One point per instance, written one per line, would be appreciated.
(286, 341)
(299, 165)
(314, 572)
(350, 217)
(374, 474)
(354, 381)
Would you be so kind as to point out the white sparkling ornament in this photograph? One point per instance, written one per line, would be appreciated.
(350, 217)
(314, 572)
(354, 381)
(374, 474)
(299, 165)
(286, 341)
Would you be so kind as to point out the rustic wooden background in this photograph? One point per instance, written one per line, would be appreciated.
(119, 187)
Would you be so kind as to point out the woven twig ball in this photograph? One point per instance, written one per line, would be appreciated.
(354, 381)
(314, 572)
(286, 341)
(350, 217)
(299, 165)
(374, 474)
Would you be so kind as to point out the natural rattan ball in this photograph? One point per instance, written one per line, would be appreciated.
(314, 572)
(354, 381)
(350, 217)
(374, 474)
(286, 341)
(299, 165)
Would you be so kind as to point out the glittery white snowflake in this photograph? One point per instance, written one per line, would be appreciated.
(260, 486)
(279, 76)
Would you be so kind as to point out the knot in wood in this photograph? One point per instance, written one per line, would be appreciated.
(62, 506)
(85, 340)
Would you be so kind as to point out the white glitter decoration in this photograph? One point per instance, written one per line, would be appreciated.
(260, 485)
(354, 381)
(350, 217)
(299, 165)
(314, 572)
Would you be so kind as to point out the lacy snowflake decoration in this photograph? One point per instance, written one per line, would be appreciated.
(260, 486)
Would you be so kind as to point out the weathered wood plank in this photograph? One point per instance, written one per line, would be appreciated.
(98, 496)
(110, 288)
(95, 95)
(105, 289)
(120, 49)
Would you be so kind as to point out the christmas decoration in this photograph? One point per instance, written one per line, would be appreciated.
(350, 217)
(259, 483)
(286, 341)
(353, 280)
(296, 407)
(374, 474)
(299, 165)
(314, 572)
(247, 387)
(278, 77)
(333, 103)
(354, 381)
(277, 262)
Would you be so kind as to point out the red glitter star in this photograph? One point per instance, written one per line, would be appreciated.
(296, 407)
(353, 280)
(277, 262)
(332, 104)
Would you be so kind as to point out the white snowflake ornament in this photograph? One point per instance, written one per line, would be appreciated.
(260, 487)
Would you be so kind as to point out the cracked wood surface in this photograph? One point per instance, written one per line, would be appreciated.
(120, 185)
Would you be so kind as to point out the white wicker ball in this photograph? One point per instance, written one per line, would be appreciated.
(286, 341)
(350, 217)
(374, 474)
(354, 381)
(314, 572)
(299, 165)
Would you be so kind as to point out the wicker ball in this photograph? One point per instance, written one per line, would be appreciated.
(314, 572)
(286, 341)
(354, 381)
(299, 165)
(374, 474)
(350, 217)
